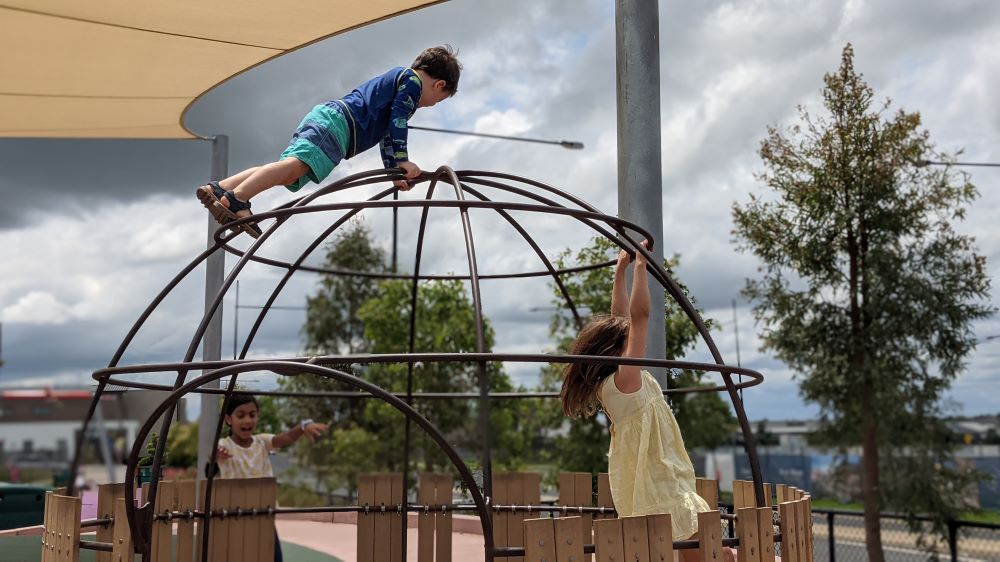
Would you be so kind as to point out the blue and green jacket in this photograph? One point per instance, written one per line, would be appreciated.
(378, 111)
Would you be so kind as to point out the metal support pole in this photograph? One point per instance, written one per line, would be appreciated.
(211, 349)
(640, 197)
(830, 538)
(953, 540)
(102, 442)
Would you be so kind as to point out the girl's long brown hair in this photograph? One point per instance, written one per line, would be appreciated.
(603, 335)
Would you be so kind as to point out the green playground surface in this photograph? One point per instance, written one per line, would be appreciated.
(29, 549)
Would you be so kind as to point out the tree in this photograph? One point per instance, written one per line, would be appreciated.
(704, 418)
(866, 289)
(445, 322)
(360, 315)
(332, 327)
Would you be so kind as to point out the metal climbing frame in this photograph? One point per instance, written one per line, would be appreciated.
(473, 190)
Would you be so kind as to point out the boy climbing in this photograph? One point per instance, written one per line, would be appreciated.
(376, 112)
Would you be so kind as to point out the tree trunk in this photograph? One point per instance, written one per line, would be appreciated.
(870, 478)
(869, 417)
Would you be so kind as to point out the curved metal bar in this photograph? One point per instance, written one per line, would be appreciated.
(295, 267)
(541, 255)
(210, 477)
(369, 358)
(484, 381)
(411, 341)
(420, 395)
(281, 367)
(126, 341)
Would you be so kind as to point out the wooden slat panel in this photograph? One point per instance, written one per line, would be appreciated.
(708, 489)
(747, 533)
(570, 538)
(789, 534)
(809, 528)
(710, 536)
(768, 495)
(765, 534)
(444, 483)
(604, 498)
(425, 521)
(366, 522)
(635, 539)
(236, 527)
(567, 488)
(46, 523)
(268, 499)
(218, 528)
(659, 528)
(800, 524)
(608, 540)
(738, 500)
(185, 527)
(121, 539)
(515, 530)
(49, 533)
(583, 489)
(383, 526)
(250, 526)
(199, 524)
(501, 482)
(66, 523)
(782, 493)
(539, 540)
(162, 538)
(106, 495)
(396, 530)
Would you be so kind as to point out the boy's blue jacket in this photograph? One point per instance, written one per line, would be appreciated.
(378, 111)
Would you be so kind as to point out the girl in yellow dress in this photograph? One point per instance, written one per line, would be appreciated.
(649, 469)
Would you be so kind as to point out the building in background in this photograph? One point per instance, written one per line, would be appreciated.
(39, 427)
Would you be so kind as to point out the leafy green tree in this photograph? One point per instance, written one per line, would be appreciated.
(361, 315)
(332, 327)
(705, 419)
(445, 322)
(866, 289)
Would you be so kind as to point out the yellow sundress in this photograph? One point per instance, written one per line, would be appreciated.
(649, 469)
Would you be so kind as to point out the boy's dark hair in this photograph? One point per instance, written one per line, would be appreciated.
(605, 336)
(237, 400)
(441, 63)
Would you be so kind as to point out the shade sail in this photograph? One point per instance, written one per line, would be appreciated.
(130, 68)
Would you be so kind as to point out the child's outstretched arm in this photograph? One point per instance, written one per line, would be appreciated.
(310, 429)
(619, 294)
(394, 146)
(629, 377)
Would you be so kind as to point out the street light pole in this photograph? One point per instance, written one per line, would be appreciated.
(925, 163)
(573, 145)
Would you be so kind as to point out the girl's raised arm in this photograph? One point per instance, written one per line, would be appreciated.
(619, 296)
(628, 377)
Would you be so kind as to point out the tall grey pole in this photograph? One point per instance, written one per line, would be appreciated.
(640, 198)
(211, 349)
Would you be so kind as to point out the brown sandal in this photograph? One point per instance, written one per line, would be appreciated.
(211, 195)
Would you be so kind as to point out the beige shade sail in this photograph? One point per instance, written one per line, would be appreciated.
(131, 68)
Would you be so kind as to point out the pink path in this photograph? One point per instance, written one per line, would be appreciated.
(340, 540)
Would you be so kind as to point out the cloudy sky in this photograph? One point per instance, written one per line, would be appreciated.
(90, 230)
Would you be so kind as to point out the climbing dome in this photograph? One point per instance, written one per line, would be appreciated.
(475, 206)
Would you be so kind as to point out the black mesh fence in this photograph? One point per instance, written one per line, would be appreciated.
(966, 541)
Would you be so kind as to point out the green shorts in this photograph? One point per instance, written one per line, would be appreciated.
(320, 143)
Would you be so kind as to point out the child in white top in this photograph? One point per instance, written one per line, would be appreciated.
(245, 455)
